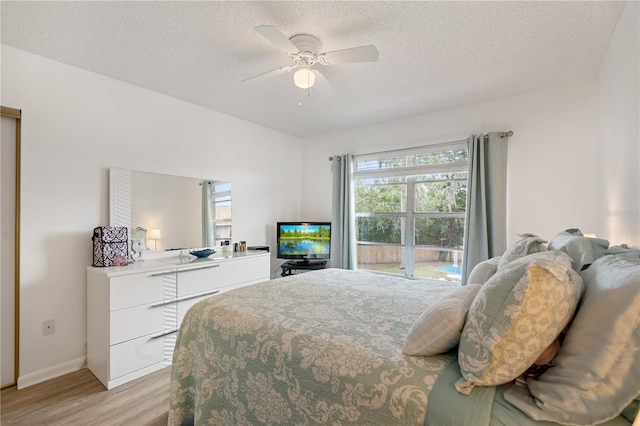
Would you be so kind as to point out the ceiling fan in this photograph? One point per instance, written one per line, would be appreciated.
(304, 51)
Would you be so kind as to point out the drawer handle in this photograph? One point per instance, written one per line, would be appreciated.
(216, 265)
(159, 274)
(164, 333)
(180, 299)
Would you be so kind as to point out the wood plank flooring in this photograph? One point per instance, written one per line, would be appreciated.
(80, 399)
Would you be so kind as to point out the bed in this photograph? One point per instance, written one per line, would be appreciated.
(326, 347)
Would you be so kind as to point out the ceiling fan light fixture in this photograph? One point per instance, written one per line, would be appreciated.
(304, 78)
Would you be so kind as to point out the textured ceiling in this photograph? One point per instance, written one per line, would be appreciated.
(433, 54)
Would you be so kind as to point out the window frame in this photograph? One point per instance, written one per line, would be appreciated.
(410, 172)
(221, 195)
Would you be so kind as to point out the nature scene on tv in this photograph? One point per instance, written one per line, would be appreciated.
(305, 240)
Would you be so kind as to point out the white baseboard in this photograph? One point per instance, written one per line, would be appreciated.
(49, 373)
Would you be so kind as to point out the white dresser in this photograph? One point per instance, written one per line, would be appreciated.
(134, 311)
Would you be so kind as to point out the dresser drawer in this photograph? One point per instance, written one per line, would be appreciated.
(135, 289)
(134, 311)
(222, 274)
(130, 323)
(133, 355)
(185, 305)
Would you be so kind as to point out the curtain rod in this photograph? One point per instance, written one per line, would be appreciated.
(501, 134)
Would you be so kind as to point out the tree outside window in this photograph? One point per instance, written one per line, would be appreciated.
(410, 210)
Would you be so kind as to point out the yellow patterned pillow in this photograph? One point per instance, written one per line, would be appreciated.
(517, 313)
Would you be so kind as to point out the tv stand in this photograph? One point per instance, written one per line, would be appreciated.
(302, 265)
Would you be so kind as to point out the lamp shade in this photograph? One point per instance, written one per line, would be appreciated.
(304, 78)
(154, 234)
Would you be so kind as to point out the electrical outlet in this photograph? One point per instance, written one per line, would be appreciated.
(48, 327)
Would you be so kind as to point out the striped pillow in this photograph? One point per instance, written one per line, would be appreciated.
(438, 328)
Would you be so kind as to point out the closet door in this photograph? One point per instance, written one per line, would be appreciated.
(7, 250)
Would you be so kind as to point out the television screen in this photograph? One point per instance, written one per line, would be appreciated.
(304, 240)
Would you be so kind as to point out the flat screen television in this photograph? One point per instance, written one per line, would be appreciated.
(303, 242)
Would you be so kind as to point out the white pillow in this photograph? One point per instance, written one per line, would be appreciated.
(438, 328)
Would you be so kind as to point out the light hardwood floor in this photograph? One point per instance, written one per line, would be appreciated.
(80, 399)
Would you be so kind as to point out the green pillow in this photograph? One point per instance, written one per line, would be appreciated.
(515, 316)
(483, 271)
(583, 250)
(597, 371)
(528, 244)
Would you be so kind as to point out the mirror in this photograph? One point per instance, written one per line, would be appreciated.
(170, 209)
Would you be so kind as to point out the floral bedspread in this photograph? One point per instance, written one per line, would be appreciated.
(323, 347)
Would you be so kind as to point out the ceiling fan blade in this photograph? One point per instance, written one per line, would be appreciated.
(322, 86)
(355, 54)
(266, 75)
(274, 35)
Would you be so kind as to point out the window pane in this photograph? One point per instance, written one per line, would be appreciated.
(431, 177)
(221, 195)
(439, 231)
(223, 232)
(437, 264)
(222, 186)
(380, 229)
(441, 196)
(441, 157)
(383, 164)
(382, 195)
(381, 258)
(222, 212)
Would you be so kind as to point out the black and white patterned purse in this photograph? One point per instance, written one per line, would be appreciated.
(110, 246)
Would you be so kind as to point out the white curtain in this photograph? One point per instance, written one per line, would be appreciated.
(343, 230)
(207, 214)
(485, 233)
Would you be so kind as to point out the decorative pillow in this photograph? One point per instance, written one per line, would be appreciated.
(515, 317)
(438, 328)
(597, 372)
(528, 244)
(583, 250)
(483, 271)
(622, 248)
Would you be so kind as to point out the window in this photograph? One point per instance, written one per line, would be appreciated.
(221, 196)
(410, 207)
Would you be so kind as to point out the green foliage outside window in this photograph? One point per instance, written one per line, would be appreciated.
(439, 200)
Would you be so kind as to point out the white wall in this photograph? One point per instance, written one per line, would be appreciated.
(550, 164)
(618, 165)
(76, 125)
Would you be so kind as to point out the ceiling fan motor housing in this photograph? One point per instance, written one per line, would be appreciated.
(308, 47)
